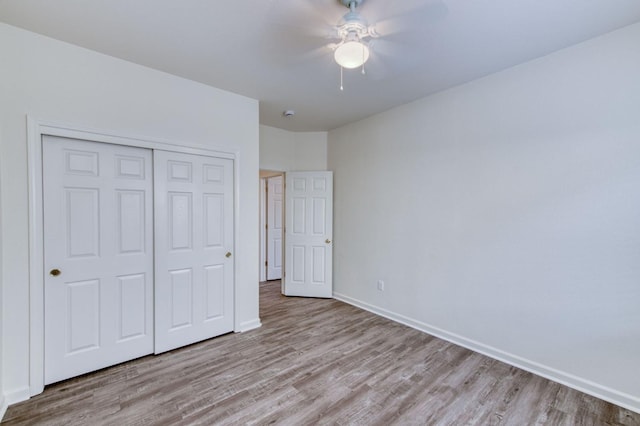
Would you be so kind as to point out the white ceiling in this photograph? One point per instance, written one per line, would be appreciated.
(275, 50)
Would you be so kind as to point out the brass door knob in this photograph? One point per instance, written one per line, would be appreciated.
(328, 241)
(228, 254)
(55, 272)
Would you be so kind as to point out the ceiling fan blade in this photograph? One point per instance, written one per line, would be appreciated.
(310, 16)
(281, 48)
(391, 59)
(324, 53)
(379, 10)
(377, 69)
(295, 31)
(416, 19)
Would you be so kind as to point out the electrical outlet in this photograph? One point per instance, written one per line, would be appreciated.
(380, 285)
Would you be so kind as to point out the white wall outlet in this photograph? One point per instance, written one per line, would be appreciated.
(380, 285)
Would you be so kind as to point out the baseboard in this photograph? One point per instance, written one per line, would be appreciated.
(249, 325)
(13, 397)
(18, 395)
(3, 406)
(624, 400)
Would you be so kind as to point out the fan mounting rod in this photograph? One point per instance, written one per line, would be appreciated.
(353, 25)
(351, 4)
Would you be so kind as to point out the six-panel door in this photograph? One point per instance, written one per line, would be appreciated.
(98, 255)
(308, 234)
(275, 228)
(194, 248)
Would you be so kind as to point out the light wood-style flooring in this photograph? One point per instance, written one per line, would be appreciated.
(315, 361)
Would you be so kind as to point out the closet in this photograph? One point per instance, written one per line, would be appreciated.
(138, 252)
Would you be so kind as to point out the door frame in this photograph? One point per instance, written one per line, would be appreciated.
(265, 174)
(262, 230)
(36, 129)
(270, 225)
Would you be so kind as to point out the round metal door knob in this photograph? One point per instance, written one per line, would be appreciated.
(228, 254)
(328, 241)
(55, 272)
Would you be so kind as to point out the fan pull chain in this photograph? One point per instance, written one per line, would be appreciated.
(363, 72)
(341, 86)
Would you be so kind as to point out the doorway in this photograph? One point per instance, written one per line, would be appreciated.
(302, 218)
(271, 225)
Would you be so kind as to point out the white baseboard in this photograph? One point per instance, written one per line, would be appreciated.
(13, 397)
(18, 395)
(622, 399)
(3, 406)
(249, 325)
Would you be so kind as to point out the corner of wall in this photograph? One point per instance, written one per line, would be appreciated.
(311, 150)
(8, 398)
(3, 406)
(276, 149)
(3, 399)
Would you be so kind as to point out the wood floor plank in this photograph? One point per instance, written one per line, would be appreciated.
(315, 361)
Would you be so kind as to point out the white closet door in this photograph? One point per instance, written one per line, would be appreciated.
(194, 248)
(98, 255)
(275, 229)
(308, 234)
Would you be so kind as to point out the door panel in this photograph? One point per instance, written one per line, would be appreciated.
(83, 321)
(132, 290)
(181, 298)
(309, 225)
(82, 211)
(180, 220)
(98, 233)
(131, 218)
(194, 232)
(275, 230)
(214, 275)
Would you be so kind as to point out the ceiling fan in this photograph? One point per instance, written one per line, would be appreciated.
(384, 45)
(352, 51)
(357, 37)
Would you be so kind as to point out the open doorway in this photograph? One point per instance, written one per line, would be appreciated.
(300, 259)
(271, 225)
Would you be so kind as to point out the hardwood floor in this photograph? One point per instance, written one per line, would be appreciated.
(315, 361)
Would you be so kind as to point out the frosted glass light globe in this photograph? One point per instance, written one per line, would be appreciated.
(351, 54)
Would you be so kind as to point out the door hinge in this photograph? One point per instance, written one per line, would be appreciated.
(266, 263)
(266, 226)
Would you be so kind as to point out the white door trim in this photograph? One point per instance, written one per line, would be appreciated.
(263, 231)
(272, 218)
(35, 130)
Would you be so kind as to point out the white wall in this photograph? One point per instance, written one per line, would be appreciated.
(3, 404)
(310, 150)
(505, 215)
(54, 81)
(283, 150)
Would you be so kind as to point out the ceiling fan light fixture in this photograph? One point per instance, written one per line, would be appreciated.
(351, 54)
